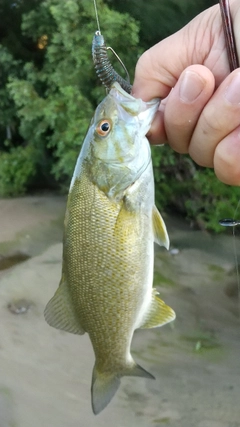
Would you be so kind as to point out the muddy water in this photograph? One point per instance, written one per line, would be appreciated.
(45, 374)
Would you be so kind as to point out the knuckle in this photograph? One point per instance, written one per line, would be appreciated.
(227, 159)
(210, 122)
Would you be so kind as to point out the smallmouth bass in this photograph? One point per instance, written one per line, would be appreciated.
(110, 227)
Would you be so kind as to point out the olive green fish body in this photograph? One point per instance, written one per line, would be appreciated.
(110, 227)
(104, 249)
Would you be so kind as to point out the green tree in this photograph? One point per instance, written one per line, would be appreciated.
(160, 18)
(192, 191)
(16, 166)
(56, 99)
(49, 90)
(8, 121)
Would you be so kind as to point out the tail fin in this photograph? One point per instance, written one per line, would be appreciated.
(105, 385)
(138, 371)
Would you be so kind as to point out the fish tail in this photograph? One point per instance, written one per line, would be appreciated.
(138, 371)
(105, 385)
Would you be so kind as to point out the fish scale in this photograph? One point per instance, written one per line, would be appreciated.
(109, 249)
(110, 226)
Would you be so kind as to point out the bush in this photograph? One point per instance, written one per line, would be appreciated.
(17, 170)
(56, 99)
(195, 192)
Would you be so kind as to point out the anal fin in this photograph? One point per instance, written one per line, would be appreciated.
(159, 229)
(159, 313)
(60, 312)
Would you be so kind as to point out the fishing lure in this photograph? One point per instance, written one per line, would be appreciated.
(229, 222)
(103, 66)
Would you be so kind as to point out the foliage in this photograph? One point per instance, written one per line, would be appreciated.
(56, 100)
(193, 191)
(49, 90)
(214, 200)
(8, 111)
(16, 171)
(160, 19)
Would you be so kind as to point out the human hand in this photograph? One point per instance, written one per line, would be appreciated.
(201, 114)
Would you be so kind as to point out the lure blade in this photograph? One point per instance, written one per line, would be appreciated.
(229, 222)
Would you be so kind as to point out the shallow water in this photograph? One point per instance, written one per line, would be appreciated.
(45, 374)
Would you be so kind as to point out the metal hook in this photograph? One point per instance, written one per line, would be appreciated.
(122, 64)
(103, 66)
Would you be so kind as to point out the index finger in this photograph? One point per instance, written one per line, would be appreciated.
(159, 68)
(156, 73)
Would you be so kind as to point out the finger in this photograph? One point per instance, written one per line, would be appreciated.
(151, 80)
(159, 68)
(185, 104)
(219, 118)
(227, 158)
(157, 134)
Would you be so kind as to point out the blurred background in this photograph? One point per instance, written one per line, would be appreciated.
(49, 90)
(48, 93)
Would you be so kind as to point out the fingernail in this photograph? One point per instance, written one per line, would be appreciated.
(232, 93)
(191, 86)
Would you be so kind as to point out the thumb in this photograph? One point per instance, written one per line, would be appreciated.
(159, 68)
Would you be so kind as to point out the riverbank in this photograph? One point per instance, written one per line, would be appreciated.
(45, 374)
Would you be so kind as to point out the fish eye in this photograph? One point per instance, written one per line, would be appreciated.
(103, 127)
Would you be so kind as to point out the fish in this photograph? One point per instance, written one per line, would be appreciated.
(110, 227)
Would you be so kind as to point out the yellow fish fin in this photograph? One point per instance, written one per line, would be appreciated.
(105, 384)
(159, 229)
(159, 313)
(60, 313)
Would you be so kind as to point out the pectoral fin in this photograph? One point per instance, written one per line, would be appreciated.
(60, 312)
(159, 229)
(159, 313)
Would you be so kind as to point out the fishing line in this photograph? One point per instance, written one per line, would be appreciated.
(236, 257)
(96, 13)
(232, 222)
(237, 267)
(103, 66)
(233, 64)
